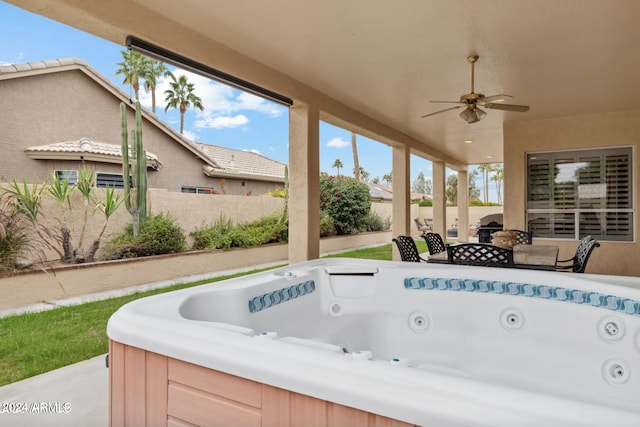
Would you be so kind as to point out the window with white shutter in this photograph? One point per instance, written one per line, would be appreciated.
(571, 194)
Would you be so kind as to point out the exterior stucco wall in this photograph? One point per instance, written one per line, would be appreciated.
(570, 133)
(190, 211)
(69, 105)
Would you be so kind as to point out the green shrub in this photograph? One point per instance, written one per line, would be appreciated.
(15, 237)
(159, 234)
(477, 202)
(376, 223)
(425, 202)
(347, 201)
(327, 228)
(223, 234)
(216, 236)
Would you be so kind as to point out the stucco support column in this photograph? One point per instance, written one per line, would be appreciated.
(463, 206)
(304, 183)
(439, 199)
(401, 177)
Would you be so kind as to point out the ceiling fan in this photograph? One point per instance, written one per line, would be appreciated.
(472, 101)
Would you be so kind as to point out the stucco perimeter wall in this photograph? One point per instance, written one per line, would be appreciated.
(570, 133)
(191, 211)
(194, 211)
(86, 279)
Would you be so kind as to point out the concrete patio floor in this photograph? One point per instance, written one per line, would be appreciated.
(73, 396)
(76, 395)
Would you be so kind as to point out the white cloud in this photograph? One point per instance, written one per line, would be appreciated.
(221, 122)
(222, 104)
(191, 136)
(247, 101)
(338, 143)
(253, 150)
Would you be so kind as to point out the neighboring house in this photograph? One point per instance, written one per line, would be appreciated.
(385, 193)
(59, 114)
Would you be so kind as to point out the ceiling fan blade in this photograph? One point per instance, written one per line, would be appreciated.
(494, 98)
(441, 111)
(508, 107)
(446, 102)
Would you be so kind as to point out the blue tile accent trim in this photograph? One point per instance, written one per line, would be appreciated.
(281, 295)
(574, 296)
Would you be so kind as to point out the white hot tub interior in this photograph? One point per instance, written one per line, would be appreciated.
(522, 330)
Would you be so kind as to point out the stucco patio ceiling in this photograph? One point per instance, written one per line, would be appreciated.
(389, 59)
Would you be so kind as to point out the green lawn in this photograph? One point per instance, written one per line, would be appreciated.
(33, 343)
(379, 252)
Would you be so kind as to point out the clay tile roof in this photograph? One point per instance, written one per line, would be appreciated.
(41, 65)
(84, 145)
(236, 162)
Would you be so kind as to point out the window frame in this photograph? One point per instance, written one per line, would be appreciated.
(579, 216)
(108, 186)
(192, 189)
(70, 174)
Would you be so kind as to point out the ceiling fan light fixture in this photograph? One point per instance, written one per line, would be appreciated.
(472, 115)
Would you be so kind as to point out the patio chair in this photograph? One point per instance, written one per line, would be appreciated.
(429, 223)
(523, 237)
(421, 226)
(480, 254)
(407, 248)
(435, 244)
(578, 263)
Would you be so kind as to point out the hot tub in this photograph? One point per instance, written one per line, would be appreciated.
(357, 342)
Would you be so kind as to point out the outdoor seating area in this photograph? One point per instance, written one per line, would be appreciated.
(522, 237)
(425, 226)
(435, 244)
(519, 252)
(408, 249)
(480, 254)
(578, 263)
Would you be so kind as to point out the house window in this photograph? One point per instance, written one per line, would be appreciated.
(199, 190)
(109, 180)
(572, 194)
(71, 175)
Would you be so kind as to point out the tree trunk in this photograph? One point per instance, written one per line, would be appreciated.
(92, 251)
(356, 163)
(66, 245)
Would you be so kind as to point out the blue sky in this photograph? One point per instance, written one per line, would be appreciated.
(231, 118)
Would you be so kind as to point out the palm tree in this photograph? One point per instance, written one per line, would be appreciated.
(485, 169)
(338, 165)
(181, 97)
(356, 163)
(361, 174)
(388, 178)
(498, 177)
(155, 70)
(134, 67)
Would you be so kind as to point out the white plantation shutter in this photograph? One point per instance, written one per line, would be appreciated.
(578, 193)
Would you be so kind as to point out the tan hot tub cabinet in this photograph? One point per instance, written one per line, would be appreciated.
(149, 389)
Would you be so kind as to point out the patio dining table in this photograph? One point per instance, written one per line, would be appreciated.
(532, 257)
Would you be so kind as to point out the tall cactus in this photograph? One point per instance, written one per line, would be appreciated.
(135, 195)
(285, 211)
